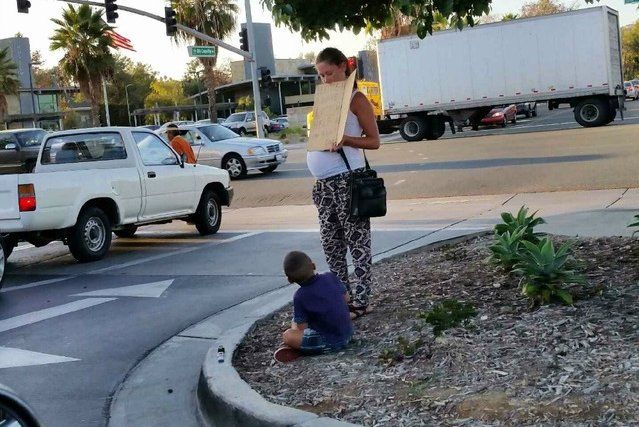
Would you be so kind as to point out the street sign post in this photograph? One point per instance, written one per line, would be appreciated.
(202, 51)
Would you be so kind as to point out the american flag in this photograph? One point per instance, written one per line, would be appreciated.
(119, 41)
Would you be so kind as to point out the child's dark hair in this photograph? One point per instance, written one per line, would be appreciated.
(334, 56)
(298, 267)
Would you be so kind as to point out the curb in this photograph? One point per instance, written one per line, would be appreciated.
(225, 399)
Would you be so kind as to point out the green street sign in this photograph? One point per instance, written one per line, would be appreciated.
(202, 51)
(631, 1)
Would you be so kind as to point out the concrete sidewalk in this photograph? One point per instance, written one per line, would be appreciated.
(584, 213)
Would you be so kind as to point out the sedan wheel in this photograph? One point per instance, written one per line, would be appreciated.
(235, 166)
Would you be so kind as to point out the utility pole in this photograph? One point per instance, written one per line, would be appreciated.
(128, 109)
(106, 103)
(257, 98)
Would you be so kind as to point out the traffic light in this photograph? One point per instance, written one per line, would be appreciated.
(23, 6)
(266, 76)
(111, 13)
(170, 20)
(244, 45)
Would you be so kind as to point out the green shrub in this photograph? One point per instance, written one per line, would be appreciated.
(448, 314)
(513, 223)
(545, 270)
(505, 250)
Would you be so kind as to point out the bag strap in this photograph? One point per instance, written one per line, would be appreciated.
(341, 153)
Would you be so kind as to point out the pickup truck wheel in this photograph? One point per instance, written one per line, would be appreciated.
(208, 216)
(3, 261)
(592, 112)
(90, 238)
(126, 232)
(242, 132)
(235, 166)
(8, 244)
(268, 169)
(413, 128)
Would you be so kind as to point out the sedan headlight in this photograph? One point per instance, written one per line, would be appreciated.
(497, 114)
(256, 151)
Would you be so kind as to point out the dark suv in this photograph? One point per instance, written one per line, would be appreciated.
(19, 149)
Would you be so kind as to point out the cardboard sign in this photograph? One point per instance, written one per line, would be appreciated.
(332, 102)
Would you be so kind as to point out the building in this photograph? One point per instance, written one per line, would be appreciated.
(293, 81)
(32, 107)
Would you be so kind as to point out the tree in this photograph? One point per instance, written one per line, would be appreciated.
(82, 35)
(215, 18)
(130, 77)
(510, 17)
(315, 18)
(630, 50)
(545, 7)
(9, 83)
(165, 92)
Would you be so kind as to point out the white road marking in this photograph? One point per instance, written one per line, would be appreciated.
(146, 290)
(401, 181)
(15, 358)
(129, 264)
(48, 313)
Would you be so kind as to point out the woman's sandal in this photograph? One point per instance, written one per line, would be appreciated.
(357, 311)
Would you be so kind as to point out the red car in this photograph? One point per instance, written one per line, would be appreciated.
(501, 116)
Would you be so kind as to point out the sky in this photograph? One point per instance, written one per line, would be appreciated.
(169, 59)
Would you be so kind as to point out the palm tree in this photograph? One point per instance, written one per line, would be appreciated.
(82, 34)
(9, 83)
(215, 18)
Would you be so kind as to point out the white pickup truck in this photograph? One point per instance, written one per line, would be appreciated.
(91, 182)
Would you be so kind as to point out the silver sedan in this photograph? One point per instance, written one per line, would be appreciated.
(215, 145)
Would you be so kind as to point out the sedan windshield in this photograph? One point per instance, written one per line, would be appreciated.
(217, 132)
(32, 138)
(237, 117)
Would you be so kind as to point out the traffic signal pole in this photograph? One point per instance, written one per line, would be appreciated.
(257, 97)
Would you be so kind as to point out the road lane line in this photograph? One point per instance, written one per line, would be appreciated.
(131, 263)
(48, 313)
(16, 358)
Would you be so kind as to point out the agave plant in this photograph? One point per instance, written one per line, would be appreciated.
(505, 250)
(512, 223)
(635, 223)
(545, 270)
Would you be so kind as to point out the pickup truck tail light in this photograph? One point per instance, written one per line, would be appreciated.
(26, 197)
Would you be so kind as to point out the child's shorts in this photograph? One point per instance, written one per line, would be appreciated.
(314, 343)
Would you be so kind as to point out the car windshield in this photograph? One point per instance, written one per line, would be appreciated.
(217, 133)
(31, 138)
(237, 117)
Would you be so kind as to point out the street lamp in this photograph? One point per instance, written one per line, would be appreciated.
(128, 110)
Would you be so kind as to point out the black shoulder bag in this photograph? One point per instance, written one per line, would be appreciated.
(368, 193)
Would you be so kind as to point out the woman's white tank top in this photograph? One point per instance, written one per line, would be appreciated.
(324, 164)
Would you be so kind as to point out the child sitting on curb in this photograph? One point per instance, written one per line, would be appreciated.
(321, 320)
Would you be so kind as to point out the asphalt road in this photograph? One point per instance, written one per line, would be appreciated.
(548, 153)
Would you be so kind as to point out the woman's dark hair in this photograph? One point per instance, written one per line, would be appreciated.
(333, 56)
(336, 57)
